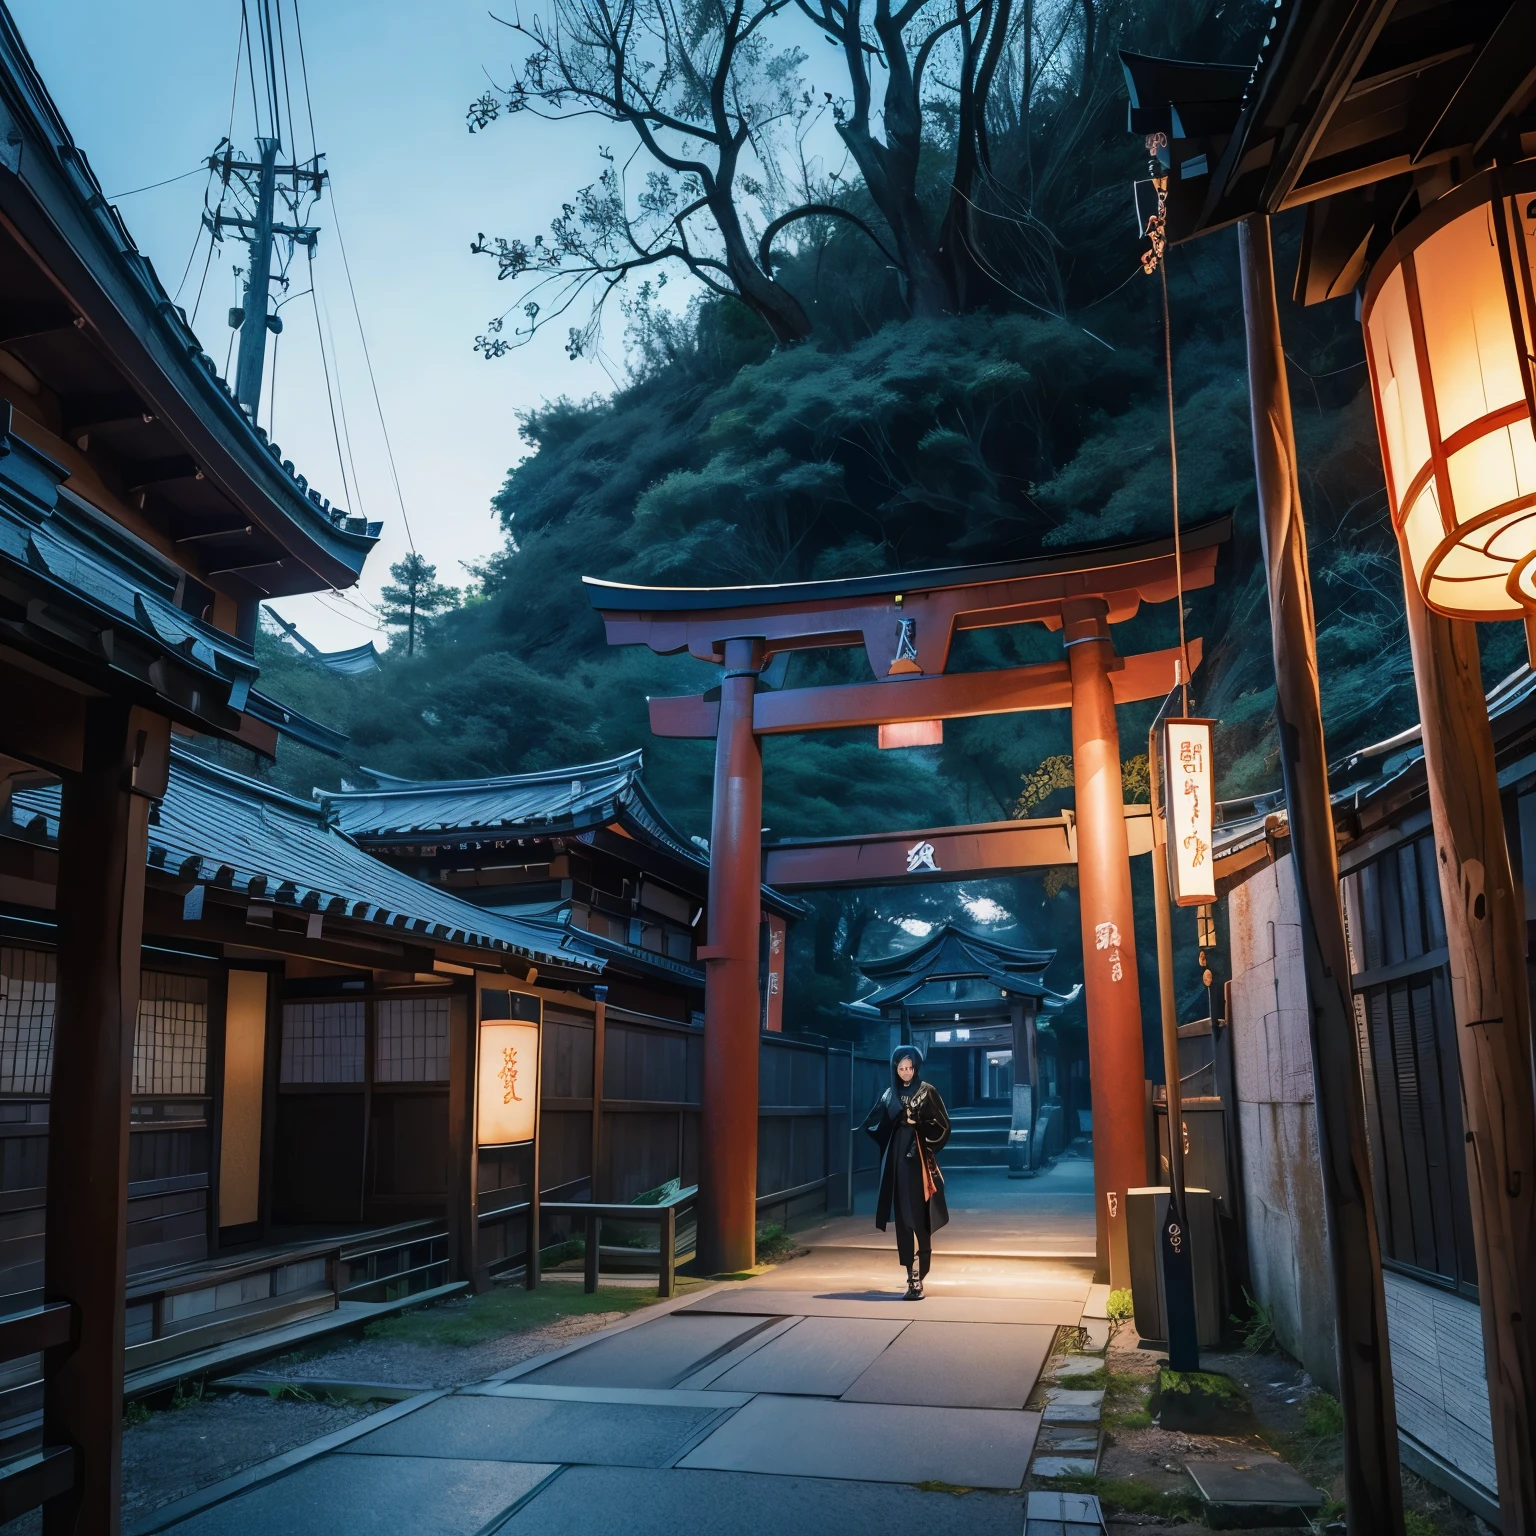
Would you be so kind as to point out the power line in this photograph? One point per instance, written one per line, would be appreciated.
(250, 60)
(309, 105)
(341, 401)
(282, 46)
(389, 450)
(113, 197)
(326, 367)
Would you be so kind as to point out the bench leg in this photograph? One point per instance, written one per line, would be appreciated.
(594, 1231)
(666, 1241)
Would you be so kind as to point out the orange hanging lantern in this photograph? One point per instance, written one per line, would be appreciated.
(1448, 316)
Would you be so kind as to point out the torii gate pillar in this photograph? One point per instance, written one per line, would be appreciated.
(728, 1150)
(1115, 1055)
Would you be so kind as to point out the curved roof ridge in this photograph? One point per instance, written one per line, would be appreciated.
(391, 784)
(914, 954)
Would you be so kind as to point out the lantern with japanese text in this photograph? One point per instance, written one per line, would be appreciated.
(508, 1087)
(1189, 805)
(1448, 316)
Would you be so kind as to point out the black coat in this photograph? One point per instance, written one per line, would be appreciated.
(932, 1131)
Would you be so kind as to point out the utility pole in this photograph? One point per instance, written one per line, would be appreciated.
(261, 181)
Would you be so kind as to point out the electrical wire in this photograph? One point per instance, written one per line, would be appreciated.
(282, 47)
(1173, 460)
(326, 367)
(309, 106)
(250, 61)
(114, 197)
(389, 449)
(341, 404)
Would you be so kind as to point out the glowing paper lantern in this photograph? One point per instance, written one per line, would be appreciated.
(1448, 318)
(508, 1087)
(1190, 803)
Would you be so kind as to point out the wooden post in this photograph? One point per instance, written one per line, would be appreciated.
(599, 1067)
(1372, 1481)
(728, 1151)
(1115, 1055)
(103, 844)
(463, 1148)
(1485, 933)
(1026, 1107)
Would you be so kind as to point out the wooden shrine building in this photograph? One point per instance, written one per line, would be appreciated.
(905, 622)
(974, 1008)
(583, 850)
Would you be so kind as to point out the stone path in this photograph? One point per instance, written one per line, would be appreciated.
(810, 1398)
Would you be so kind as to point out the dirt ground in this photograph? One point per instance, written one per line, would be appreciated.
(1142, 1463)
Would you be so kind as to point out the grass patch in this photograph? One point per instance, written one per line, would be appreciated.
(506, 1309)
(135, 1413)
(1093, 1381)
(187, 1393)
(1124, 1495)
(1125, 1401)
(1322, 1415)
(1208, 1383)
(1258, 1330)
(774, 1244)
(1416, 1523)
(933, 1485)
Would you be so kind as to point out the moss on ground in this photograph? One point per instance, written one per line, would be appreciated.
(506, 1309)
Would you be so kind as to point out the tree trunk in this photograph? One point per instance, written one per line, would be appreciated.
(1372, 1481)
(780, 310)
(1485, 933)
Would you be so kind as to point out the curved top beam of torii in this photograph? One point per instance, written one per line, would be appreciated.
(906, 621)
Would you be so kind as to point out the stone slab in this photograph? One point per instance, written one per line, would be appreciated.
(1068, 1439)
(1062, 1466)
(1064, 1367)
(957, 1365)
(1253, 1480)
(394, 1496)
(585, 1500)
(1069, 1508)
(1097, 1304)
(1097, 1330)
(657, 1354)
(1063, 1406)
(540, 1429)
(642, 1397)
(818, 1357)
(872, 1442)
(937, 1309)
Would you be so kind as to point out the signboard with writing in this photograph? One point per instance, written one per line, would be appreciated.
(508, 1087)
(1189, 796)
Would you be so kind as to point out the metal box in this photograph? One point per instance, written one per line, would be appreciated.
(1145, 1211)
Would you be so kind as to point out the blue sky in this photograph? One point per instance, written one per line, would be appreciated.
(146, 90)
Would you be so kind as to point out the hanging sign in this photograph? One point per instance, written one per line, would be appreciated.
(1190, 804)
(508, 1096)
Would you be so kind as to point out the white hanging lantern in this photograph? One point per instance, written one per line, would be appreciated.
(1189, 801)
(1448, 318)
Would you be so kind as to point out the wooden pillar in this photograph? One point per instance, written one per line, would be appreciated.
(599, 1067)
(1116, 1067)
(728, 1150)
(103, 843)
(463, 1143)
(1372, 1483)
(1485, 934)
(1022, 1157)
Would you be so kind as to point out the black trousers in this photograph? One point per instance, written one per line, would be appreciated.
(907, 1240)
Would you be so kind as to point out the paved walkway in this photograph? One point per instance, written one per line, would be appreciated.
(810, 1399)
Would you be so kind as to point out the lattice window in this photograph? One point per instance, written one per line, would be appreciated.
(170, 1042)
(26, 1020)
(412, 1040)
(323, 1042)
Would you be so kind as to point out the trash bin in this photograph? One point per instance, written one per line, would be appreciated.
(1146, 1210)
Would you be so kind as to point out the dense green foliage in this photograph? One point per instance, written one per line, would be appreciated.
(890, 442)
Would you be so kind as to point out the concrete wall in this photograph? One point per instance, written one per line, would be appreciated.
(1272, 1055)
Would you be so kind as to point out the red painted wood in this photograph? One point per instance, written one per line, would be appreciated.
(728, 1151)
(1116, 1062)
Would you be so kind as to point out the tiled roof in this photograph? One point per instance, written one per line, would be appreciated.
(230, 832)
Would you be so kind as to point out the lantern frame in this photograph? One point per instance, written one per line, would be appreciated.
(1501, 192)
(1191, 880)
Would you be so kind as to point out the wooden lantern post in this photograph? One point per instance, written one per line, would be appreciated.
(1373, 1487)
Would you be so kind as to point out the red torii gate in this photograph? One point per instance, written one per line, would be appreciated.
(906, 622)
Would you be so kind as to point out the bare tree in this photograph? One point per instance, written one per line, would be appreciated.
(708, 100)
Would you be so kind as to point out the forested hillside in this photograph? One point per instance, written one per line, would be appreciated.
(969, 371)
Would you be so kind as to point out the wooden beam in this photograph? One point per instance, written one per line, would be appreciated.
(1486, 934)
(463, 1148)
(103, 844)
(955, 853)
(1372, 1481)
(951, 696)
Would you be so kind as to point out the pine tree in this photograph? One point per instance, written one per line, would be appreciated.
(416, 598)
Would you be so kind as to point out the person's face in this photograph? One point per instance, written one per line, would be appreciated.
(906, 1069)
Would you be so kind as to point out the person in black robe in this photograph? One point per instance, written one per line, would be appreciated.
(911, 1125)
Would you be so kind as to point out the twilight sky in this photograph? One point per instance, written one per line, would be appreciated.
(146, 90)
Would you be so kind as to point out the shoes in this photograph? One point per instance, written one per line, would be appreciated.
(914, 1284)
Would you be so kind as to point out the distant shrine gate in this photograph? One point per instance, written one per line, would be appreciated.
(906, 623)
